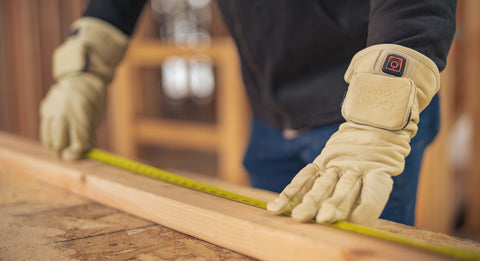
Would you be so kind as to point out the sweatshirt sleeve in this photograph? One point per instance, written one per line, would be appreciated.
(427, 26)
(123, 14)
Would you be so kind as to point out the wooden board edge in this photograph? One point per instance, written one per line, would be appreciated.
(242, 228)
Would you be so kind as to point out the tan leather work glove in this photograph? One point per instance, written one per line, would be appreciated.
(82, 66)
(351, 179)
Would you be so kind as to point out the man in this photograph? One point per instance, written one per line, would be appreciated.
(345, 149)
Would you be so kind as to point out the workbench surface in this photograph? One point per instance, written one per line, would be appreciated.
(42, 222)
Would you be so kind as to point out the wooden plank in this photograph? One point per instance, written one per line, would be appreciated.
(252, 231)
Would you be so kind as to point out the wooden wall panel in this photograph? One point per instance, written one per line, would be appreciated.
(471, 60)
(6, 115)
(51, 37)
(29, 32)
(26, 48)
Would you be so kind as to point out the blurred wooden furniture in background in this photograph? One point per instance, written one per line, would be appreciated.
(227, 136)
(442, 187)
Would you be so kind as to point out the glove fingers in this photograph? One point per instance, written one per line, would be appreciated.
(54, 134)
(59, 135)
(375, 193)
(44, 132)
(73, 152)
(293, 193)
(321, 190)
(79, 139)
(339, 205)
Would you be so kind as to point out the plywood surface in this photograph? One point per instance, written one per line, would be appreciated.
(242, 228)
(41, 222)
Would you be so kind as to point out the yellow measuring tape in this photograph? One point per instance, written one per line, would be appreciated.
(152, 172)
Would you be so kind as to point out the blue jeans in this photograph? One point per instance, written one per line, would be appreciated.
(272, 160)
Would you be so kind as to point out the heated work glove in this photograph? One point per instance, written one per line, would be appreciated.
(82, 67)
(351, 179)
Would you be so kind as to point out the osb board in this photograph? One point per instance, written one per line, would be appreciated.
(41, 222)
(252, 231)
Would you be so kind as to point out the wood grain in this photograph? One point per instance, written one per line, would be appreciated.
(248, 230)
(41, 222)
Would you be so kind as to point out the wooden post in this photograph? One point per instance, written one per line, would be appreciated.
(121, 111)
(436, 191)
(471, 60)
(233, 117)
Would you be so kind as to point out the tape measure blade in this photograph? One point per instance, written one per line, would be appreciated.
(162, 175)
(159, 174)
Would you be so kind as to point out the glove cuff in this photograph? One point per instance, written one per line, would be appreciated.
(389, 86)
(93, 46)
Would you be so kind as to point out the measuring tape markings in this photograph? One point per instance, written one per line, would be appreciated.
(152, 172)
(166, 176)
